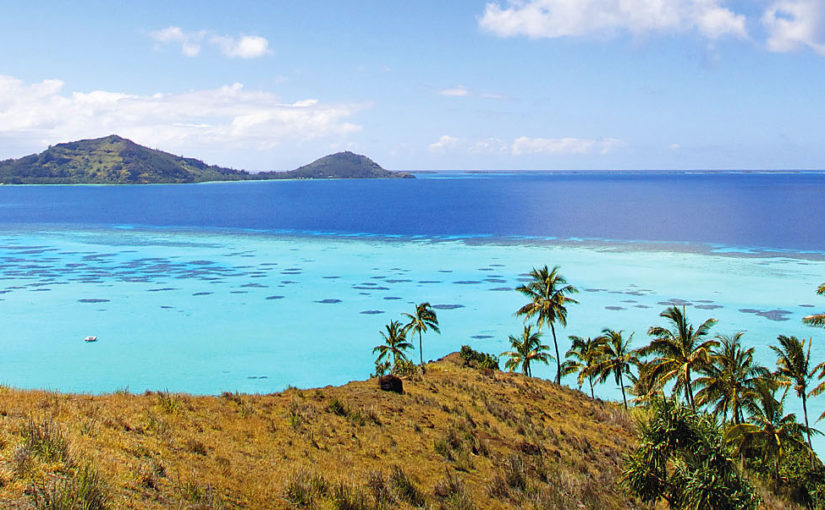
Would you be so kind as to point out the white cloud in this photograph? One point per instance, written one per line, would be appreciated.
(245, 46)
(444, 143)
(229, 116)
(570, 18)
(795, 24)
(458, 91)
(525, 145)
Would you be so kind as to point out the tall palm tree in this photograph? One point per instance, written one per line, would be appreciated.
(819, 318)
(423, 319)
(730, 377)
(679, 351)
(768, 429)
(395, 343)
(792, 361)
(548, 293)
(615, 358)
(526, 350)
(583, 354)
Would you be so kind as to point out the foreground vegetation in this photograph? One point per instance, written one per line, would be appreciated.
(730, 434)
(458, 437)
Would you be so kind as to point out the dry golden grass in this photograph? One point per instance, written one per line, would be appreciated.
(457, 438)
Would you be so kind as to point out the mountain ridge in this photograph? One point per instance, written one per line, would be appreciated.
(116, 160)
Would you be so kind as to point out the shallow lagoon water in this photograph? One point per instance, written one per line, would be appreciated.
(253, 298)
(209, 312)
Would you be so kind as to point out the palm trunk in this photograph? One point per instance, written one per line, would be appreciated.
(621, 381)
(690, 391)
(558, 363)
(805, 412)
(590, 379)
(420, 349)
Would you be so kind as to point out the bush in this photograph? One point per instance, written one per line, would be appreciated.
(682, 459)
(476, 359)
(404, 368)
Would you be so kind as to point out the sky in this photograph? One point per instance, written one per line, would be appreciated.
(418, 85)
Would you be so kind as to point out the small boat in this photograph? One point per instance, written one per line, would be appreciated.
(90, 339)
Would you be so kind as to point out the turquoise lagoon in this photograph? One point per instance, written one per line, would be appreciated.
(211, 312)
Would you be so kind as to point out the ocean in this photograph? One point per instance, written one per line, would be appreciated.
(254, 286)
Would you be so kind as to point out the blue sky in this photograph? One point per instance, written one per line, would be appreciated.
(501, 84)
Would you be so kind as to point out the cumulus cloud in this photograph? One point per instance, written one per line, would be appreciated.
(443, 143)
(230, 115)
(571, 18)
(245, 46)
(526, 145)
(795, 24)
(248, 46)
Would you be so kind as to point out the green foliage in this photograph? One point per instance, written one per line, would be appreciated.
(423, 319)
(548, 294)
(476, 359)
(526, 350)
(404, 368)
(683, 460)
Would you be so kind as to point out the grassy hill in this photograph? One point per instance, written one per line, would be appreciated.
(457, 438)
(110, 160)
(116, 160)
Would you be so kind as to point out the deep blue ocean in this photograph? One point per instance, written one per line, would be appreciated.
(783, 211)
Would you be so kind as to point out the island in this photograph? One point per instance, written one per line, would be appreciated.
(117, 160)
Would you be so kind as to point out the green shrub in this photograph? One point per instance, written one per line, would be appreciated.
(476, 359)
(404, 368)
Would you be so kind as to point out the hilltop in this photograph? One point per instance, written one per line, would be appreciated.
(341, 165)
(117, 160)
(458, 437)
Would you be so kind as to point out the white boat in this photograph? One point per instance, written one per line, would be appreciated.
(90, 339)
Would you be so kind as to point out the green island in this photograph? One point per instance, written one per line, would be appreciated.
(701, 425)
(116, 160)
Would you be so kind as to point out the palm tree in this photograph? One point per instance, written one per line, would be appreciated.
(615, 357)
(526, 350)
(582, 355)
(792, 369)
(679, 351)
(768, 429)
(548, 293)
(642, 384)
(395, 343)
(423, 319)
(729, 379)
(819, 318)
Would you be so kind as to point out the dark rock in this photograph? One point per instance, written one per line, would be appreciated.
(391, 383)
